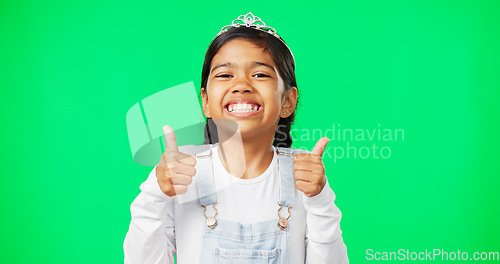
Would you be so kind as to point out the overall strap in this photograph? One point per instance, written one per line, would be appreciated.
(287, 179)
(206, 182)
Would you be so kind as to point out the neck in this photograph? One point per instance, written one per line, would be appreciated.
(245, 157)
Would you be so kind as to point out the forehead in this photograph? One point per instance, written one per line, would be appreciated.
(242, 50)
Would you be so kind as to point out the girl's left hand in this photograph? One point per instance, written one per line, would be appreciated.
(309, 170)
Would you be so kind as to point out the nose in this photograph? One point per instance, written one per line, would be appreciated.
(242, 85)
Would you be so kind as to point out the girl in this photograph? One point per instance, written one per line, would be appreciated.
(244, 196)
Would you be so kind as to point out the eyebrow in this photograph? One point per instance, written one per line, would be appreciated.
(255, 63)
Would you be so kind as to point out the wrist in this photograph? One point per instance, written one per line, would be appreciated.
(326, 195)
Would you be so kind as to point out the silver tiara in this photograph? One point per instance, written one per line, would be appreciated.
(249, 20)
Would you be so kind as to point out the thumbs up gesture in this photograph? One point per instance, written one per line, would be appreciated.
(175, 170)
(309, 170)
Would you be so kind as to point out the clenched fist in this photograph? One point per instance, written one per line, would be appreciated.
(309, 170)
(176, 169)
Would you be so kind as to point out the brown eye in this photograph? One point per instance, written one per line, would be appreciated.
(223, 76)
(261, 75)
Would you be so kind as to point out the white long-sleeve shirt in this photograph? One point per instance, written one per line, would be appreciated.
(162, 226)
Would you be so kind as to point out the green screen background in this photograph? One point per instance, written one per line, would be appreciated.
(70, 70)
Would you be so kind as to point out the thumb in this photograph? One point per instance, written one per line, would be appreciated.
(319, 148)
(170, 141)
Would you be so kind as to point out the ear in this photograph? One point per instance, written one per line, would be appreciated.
(289, 102)
(204, 101)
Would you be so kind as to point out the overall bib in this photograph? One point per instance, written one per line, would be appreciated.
(226, 241)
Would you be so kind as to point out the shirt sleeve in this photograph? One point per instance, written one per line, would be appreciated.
(324, 243)
(151, 234)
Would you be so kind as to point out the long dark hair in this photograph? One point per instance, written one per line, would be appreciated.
(286, 67)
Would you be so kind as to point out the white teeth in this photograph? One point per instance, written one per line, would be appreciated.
(242, 108)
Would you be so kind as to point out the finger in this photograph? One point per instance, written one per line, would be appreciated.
(179, 157)
(184, 169)
(303, 186)
(180, 189)
(187, 160)
(170, 141)
(301, 165)
(306, 158)
(302, 176)
(308, 166)
(179, 179)
(319, 148)
(309, 189)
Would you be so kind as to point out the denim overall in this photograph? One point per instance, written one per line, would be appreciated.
(227, 242)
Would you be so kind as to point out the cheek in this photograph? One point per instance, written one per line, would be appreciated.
(214, 99)
(275, 103)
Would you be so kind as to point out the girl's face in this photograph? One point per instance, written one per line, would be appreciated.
(244, 86)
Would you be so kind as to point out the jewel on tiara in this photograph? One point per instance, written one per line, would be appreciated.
(249, 20)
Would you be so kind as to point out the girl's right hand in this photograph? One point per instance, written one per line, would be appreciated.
(176, 169)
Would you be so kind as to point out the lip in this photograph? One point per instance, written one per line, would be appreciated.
(243, 101)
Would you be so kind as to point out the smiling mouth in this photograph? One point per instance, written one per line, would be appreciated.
(243, 109)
